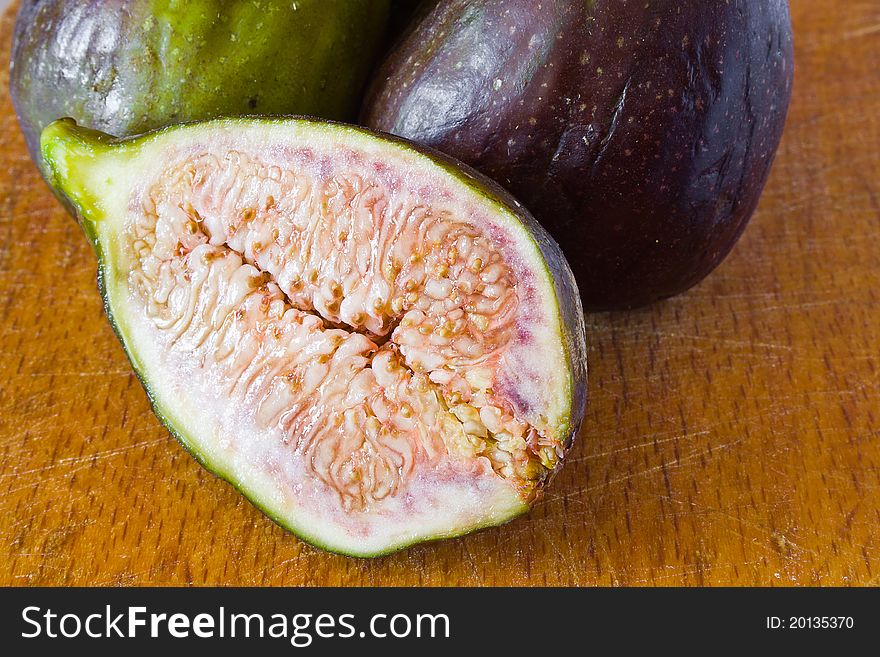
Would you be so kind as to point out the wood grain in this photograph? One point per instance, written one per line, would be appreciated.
(733, 433)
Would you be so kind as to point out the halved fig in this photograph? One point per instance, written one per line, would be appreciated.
(376, 346)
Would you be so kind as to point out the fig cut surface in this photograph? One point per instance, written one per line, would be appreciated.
(376, 346)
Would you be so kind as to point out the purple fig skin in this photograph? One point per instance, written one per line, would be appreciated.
(640, 133)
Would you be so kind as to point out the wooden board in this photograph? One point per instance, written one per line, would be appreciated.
(733, 433)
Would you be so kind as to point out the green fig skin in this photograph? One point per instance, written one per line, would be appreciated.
(126, 67)
(640, 133)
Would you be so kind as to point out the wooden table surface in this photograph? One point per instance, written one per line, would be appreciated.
(732, 437)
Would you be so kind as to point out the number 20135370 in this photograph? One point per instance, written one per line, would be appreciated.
(810, 623)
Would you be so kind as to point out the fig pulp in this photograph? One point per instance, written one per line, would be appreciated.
(130, 66)
(376, 346)
(640, 133)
